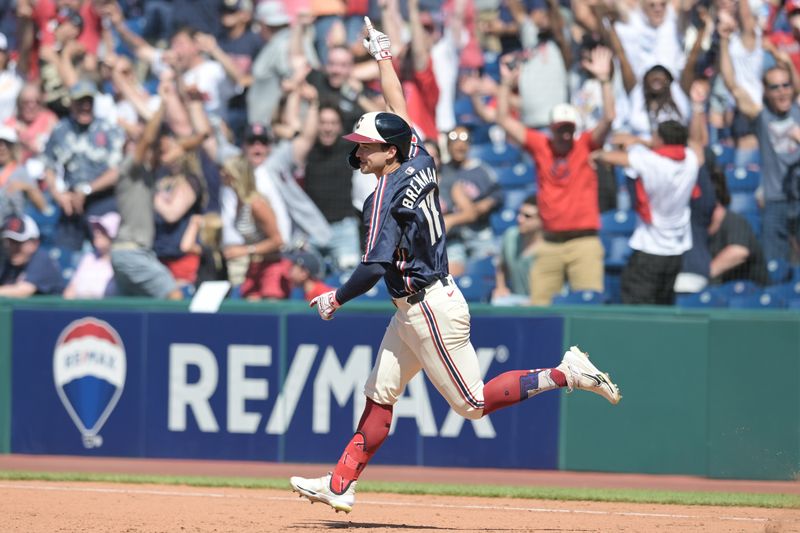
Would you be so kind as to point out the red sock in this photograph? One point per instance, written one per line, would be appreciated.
(373, 428)
(517, 385)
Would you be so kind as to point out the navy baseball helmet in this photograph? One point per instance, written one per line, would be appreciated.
(381, 127)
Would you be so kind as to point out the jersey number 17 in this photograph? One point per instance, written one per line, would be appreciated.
(431, 212)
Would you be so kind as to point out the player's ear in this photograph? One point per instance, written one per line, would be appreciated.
(391, 151)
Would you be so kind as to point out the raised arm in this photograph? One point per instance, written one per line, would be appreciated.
(509, 76)
(150, 133)
(392, 23)
(25, 36)
(558, 32)
(302, 144)
(208, 44)
(600, 66)
(472, 85)
(747, 25)
(698, 127)
(419, 45)
(745, 104)
(610, 35)
(380, 48)
(517, 11)
(125, 82)
(135, 42)
(688, 74)
(200, 123)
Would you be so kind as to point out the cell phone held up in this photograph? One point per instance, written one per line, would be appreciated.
(517, 59)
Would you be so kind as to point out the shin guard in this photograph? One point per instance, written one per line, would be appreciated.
(373, 428)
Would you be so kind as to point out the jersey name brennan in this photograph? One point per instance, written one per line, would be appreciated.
(419, 182)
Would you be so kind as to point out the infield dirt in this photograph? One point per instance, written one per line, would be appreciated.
(35, 506)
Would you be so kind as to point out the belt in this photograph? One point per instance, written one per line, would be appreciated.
(419, 296)
(564, 236)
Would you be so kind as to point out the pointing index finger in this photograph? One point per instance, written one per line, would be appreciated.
(368, 24)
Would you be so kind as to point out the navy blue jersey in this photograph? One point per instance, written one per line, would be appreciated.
(405, 228)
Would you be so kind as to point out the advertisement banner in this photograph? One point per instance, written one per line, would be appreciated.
(330, 362)
(77, 383)
(212, 385)
(259, 387)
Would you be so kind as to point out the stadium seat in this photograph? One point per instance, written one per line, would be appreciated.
(617, 222)
(478, 281)
(46, 221)
(505, 217)
(794, 304)
(786, 291)
(620, 177)
(335, 280)
(743, 202)
(497, 155)
(779, 270)
(67, 260)
(736, 288)
(465, 113)
(297, 293)
(580, 298)
(754, 219)
(475, 288)
(491, 65)
(235, 293)
(378, 293)
(702, 299)
(483, 267)
(517, 176)
(480, 133)
(741, 179)
(502, 219)
(617, 251)
(762, 300)
(724, 154)
(795, 273)
(613, 291)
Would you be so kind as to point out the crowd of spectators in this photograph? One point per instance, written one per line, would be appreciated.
(634, 151)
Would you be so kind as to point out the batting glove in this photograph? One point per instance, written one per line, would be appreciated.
(377, 43)
(326, 304)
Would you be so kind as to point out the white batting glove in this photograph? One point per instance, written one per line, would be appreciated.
(326, 304)
(377, 43)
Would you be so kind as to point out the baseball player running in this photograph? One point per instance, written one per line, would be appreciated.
(431, 328)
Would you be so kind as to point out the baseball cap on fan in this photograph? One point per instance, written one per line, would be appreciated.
(108, 222)
(563, 114)
(82, 89)
(8, 134)
(232, 6)
(20, 229)
(308, 260)
(69, 15)
(258, 132)
(272, 13)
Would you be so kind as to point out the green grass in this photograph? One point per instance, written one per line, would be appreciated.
(773, 501)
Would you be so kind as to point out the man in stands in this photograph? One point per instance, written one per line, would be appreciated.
(567, 197)
(27, 269)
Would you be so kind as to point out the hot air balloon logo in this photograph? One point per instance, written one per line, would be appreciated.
(89, 369)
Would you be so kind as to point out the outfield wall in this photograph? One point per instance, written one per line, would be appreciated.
(713, 394)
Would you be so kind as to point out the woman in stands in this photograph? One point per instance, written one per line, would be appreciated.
(251, 240)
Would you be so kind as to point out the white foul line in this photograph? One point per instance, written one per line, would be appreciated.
(190, 494)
